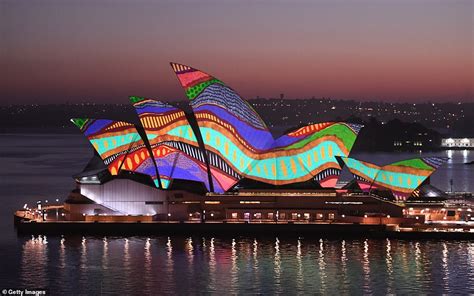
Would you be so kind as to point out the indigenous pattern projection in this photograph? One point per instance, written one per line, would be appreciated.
(119, 145)
(172, 140)
(239, 144)
(401, 177)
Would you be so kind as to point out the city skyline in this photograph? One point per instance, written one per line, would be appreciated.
(418, 51)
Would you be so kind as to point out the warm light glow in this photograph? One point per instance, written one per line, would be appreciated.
(212, 202)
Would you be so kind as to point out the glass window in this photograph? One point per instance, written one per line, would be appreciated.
(283, 216)
(246, 215)
(319, 216)
(306, 216)
(235, 215)
(270, 216)
(331, 216)
(294, 216)
(257, 215)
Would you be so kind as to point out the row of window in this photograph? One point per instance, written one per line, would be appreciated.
(399, 144)
(282, 216)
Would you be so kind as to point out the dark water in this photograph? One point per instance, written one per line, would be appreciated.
(36, 167)
(245, 265)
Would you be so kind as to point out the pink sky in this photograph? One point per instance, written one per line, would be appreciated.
(104, 51)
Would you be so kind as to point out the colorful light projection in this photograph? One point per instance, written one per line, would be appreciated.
(401, 177)
(363, 172)
(312, 150)
(119, 145)
(240, 145)
(173, 142)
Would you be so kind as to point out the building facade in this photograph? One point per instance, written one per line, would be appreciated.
(457, 142)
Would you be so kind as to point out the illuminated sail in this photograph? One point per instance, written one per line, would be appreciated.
(311, 151)
(172, 140)
(230, 127)
(240, 145)
(119, 145)
(401, 177)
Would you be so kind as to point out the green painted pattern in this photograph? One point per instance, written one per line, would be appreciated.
(194, 91)
(414, 163)
(79, 122)
(341, 131)
(134, 100)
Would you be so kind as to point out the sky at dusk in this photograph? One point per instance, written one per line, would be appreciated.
(104, 51)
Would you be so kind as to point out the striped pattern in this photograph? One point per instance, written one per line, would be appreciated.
(119, 124)
(157, 121)
(309, 129)
(174, 146)
(239, 143)
(119, 145)
(401, 177)
(178, 68)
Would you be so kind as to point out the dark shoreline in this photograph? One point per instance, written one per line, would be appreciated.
(232, 229)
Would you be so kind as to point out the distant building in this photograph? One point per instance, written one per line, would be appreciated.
(458, 142)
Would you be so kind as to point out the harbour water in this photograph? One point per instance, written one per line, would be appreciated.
(202, 265)
(40, 166)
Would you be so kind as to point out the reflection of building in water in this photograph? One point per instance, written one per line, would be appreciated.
(34, 267)
(457, 142)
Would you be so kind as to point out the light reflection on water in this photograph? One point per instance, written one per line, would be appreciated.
(186, 265)
(39, 166)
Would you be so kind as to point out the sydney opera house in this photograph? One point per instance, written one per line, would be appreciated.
(221, 162)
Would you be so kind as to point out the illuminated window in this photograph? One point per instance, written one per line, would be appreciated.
(257, 215)
(246, 215)
(306, 216)
(294, 216)
(283, 216)
(235, 215)
(270, 216)
(319, 216)
(331, 216)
